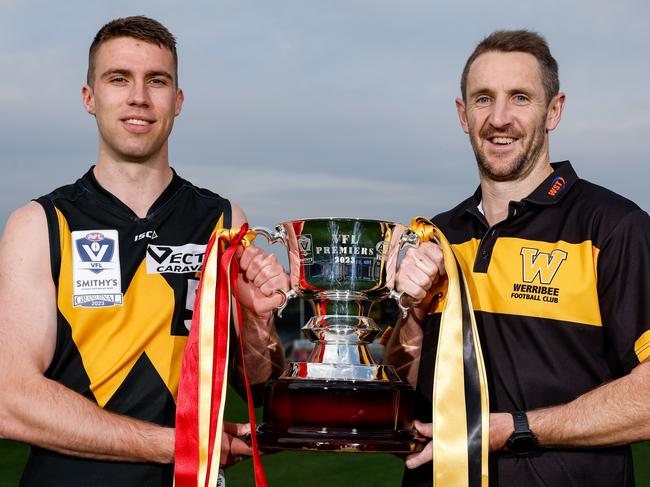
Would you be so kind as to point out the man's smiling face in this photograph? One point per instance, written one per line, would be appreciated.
(134, 98)
(505, 113)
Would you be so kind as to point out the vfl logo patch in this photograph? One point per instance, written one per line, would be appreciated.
(557, 185)
(540, 266)
(304, 243)
(95, 251)
(381, 249)
(96, 271)
(175, 259)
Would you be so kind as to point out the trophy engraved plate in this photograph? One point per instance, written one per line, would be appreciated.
(339, 399)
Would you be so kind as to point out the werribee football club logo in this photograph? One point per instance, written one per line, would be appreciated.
(539, 267)
(96, 251)
(96, 274)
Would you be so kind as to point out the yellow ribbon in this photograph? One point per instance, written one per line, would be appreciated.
(229, 233)
(206, 347)
(452, 446)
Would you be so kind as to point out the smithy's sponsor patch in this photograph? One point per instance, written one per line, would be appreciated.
(96, 275)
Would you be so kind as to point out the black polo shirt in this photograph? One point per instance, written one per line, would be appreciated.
(561, 291)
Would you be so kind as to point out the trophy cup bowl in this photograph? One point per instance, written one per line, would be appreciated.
(340, 399)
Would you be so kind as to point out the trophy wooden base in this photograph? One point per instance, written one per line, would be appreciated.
(338, 415)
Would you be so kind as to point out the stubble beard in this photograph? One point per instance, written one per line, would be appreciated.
(519, 167)
(132, 151)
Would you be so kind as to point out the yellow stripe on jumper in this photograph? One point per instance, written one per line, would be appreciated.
(642, 346)
(111, 340)
(555, 280)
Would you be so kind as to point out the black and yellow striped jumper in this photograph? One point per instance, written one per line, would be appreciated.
(125, 292)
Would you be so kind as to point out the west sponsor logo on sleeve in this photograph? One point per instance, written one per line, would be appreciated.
(538, 271)
(96, 275)
(175, 259)
(557, 185)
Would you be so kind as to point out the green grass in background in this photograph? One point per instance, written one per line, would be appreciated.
(298, 469)
(12, 459)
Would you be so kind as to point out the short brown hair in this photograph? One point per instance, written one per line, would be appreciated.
(137, 27)
(518, 41)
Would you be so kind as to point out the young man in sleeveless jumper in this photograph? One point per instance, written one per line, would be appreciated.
(97, 285)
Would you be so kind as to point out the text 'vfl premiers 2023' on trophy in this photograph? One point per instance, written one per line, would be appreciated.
(340, 399)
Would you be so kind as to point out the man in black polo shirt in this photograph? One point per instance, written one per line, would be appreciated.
(559, 275)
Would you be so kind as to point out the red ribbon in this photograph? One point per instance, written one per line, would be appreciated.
(187, 435)
(258, 467)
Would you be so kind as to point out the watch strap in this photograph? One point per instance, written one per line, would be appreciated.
(521, 422)
(522, 441)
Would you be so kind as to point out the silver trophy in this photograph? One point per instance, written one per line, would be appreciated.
(339, 399)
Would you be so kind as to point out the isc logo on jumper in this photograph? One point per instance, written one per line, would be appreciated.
(151, 235)
(96, 275)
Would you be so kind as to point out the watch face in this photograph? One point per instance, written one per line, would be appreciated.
(523, 444)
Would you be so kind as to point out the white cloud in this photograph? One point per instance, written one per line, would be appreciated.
(270, 196)
(345, 106)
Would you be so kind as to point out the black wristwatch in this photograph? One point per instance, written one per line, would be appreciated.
(522, 441)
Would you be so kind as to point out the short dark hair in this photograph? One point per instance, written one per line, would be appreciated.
(518, 41)
(137, 27)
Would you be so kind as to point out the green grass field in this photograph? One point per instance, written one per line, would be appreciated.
(300, 469)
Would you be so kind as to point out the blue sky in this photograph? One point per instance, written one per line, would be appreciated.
(332, 108)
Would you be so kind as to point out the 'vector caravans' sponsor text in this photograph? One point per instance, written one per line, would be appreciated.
(175, 259)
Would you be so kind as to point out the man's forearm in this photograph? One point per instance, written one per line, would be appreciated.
(45, 413)
(262, 349)
(404, 345)
(616, 413)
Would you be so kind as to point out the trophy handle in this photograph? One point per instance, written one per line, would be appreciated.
(421, 230)
(290, 294)
(279, 235)
(409, 239)
(397, 296)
